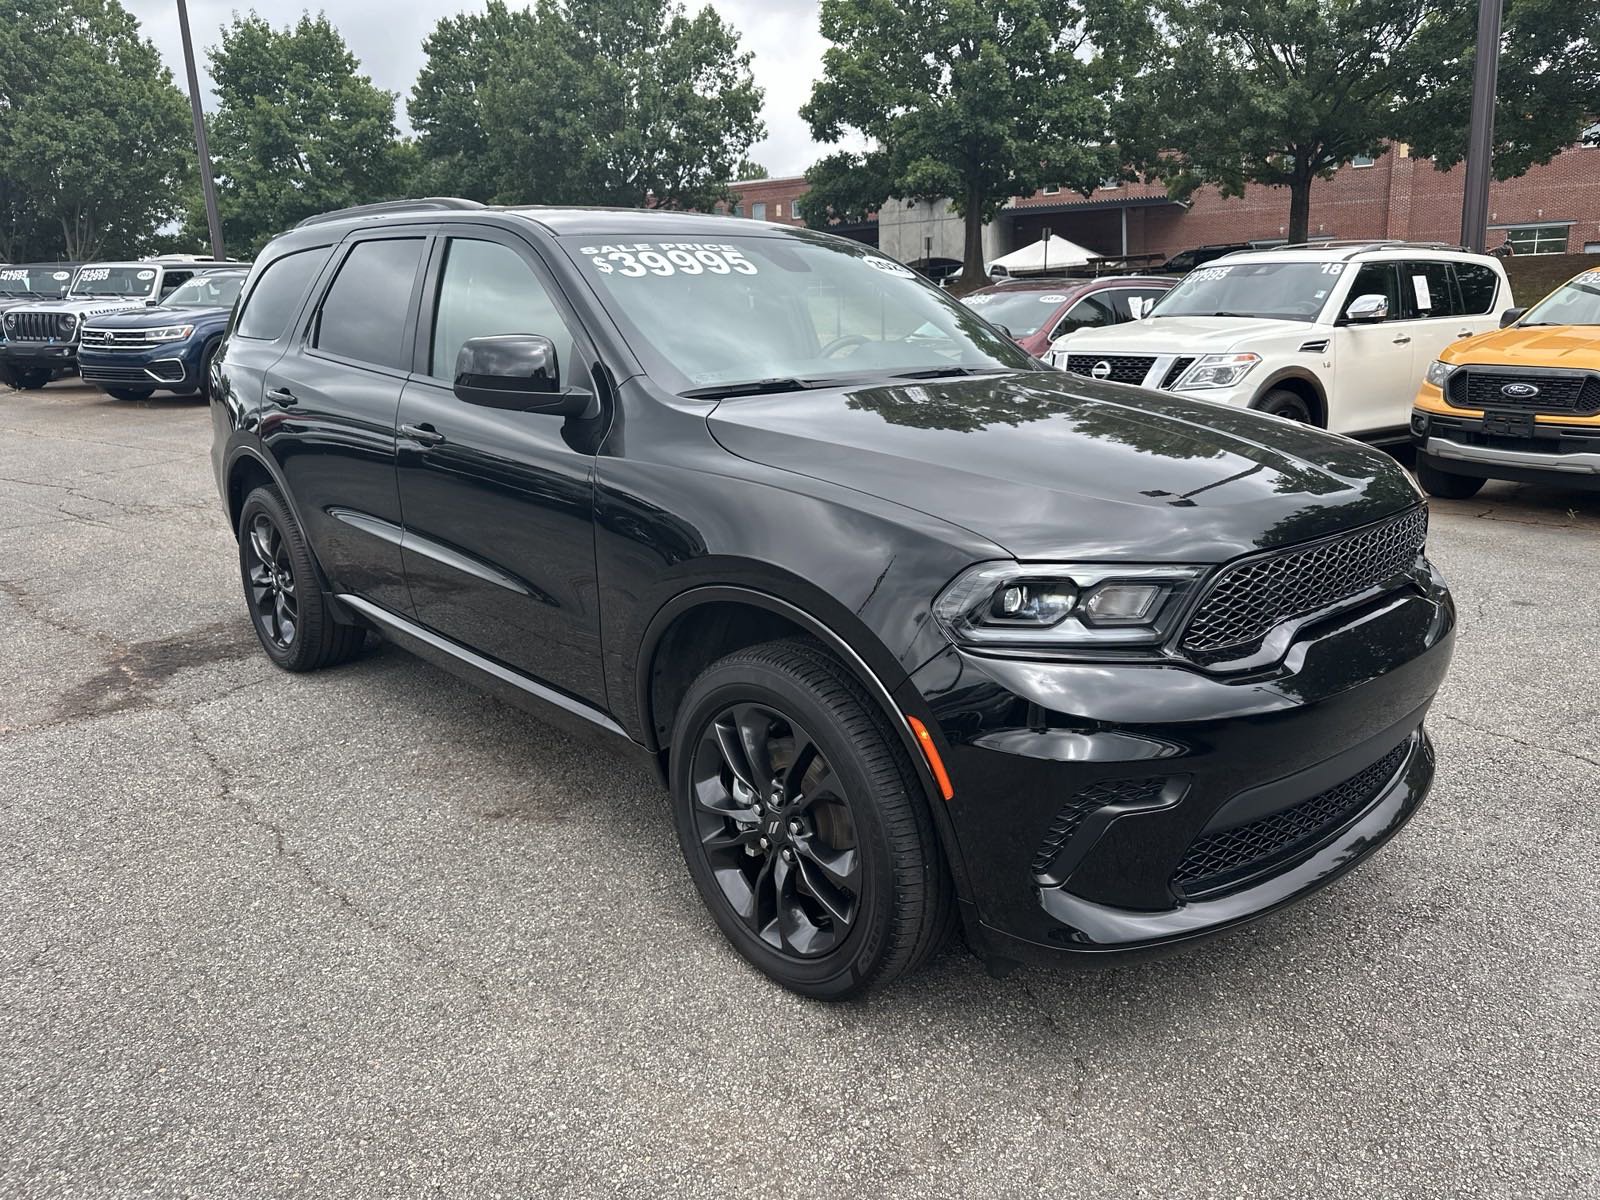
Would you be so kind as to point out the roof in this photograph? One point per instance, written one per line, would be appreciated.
(1350, 251)
(558, 219)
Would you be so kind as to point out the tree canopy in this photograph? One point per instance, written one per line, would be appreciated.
(626, 102)
(298, 129)
(94, 137)
(975, 100)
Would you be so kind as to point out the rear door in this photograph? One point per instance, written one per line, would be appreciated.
(1432, 293)
(329, 406)
(499, 522)
(1373, 388)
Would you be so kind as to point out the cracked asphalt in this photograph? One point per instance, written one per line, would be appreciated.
(369, 933)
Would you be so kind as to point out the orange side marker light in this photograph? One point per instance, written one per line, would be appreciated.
(931, 753)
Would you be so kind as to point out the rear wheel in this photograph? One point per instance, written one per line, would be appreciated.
(1447, 485)
(30, 379)
(130, 393)
(281, 586)
(1280, 402)
(803, 824)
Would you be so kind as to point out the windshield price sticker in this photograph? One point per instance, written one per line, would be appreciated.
(94, 274)
(634, 259)
(59, 276)
(971, 300)
(889, 267)
(9, 275)
(1587, 279)
(1207, 274)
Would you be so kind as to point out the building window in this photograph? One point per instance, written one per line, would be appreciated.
(1591, 247)
(1362, 160)
(758, 211)
(1110, 184)
(777, 209)
(1536, 239)
(738, 210)
(1053, 190)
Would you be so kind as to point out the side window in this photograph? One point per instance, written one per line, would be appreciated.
(170, 280)
(1086, 313)
(1479, 287)
(1430, 289)
(488, 289)
(1132, 304)
(1380, 279)
(276, 296)
(363, 316)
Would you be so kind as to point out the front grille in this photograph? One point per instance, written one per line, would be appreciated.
(1179, 366)
(1576, 393)
(96, 374)
(118, 339)
(1249, 598)
(1122, 368)
(1110, 791)
(36, 326)
(1231, 856)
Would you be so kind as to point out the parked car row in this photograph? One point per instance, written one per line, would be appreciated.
(129, 328)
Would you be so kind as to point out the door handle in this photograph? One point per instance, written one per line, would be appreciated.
(424, 435)
(283, 396)
(1463, 333)
(1402, 340)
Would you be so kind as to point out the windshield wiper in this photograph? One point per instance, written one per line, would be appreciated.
(752, 387)
(945, 372)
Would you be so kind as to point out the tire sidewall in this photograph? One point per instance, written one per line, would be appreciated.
(1277, 401)
(854, 961)
(303, 648)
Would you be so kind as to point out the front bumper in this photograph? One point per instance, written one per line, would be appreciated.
(171, 367)
(28, 356)
(1554, 452)
(1106, 810)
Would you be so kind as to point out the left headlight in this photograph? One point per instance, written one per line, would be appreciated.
(1064, 606)
(69, 322)
(1439, 373)
(1218, 371)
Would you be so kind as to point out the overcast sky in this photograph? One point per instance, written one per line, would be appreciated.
(387, 38)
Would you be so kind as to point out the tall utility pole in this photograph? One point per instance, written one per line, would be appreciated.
(1480, 142)
(207, 184)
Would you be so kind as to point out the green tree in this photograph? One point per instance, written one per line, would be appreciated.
(976, 100)
(298, 130)
(626, 102)
(94, 137)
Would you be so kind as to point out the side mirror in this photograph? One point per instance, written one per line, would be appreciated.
(1511, 316)
(1364, 309)
(518, 372)
(1004, 329)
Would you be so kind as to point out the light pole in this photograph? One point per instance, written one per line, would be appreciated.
(1480, 141)
(208, 186)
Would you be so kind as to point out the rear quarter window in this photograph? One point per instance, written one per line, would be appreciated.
(1480, 286)
(277, 295)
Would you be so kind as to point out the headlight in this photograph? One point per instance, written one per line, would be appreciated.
(70, 321)
(172, 333)
(1218, 371)
(1064, 606)
(1439, 373)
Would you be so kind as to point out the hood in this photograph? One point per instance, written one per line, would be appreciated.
(1051, 466)
(87, 306)
(1165, 335)
(156, 318)
(1575, 346)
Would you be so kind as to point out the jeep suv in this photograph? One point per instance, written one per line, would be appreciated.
(1330, 334)
(26, 283)
(41, 338)
(915, 632)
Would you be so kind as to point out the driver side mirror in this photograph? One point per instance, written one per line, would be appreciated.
(517, 372)
(1366, 309)
(1511, 316)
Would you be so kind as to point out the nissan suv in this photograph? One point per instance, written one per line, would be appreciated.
(1330, 334)
(915, 632)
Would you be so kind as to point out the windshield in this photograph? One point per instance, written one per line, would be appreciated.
(1284, 291)
(115, 281)
(784, 311)
(1576, 302)
(207, 291)
(1022, 312)
(35, 281)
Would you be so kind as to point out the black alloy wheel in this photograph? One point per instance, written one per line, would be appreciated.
(130, 393)
(776, 827)
(804, 824)
(275, 604)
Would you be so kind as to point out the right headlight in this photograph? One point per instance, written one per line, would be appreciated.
(1439, 373)
(1064, 606)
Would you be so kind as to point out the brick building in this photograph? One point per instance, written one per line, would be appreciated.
(1552, 209)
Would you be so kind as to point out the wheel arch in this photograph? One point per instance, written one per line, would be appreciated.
(1304, 384)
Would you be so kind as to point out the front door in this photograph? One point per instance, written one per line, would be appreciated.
(1373, 387)
(498, 506)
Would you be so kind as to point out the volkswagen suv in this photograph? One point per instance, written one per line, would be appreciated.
(915, 632)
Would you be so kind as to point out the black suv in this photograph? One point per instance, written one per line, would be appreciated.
(916, 630)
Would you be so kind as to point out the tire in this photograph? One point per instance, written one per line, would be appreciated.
(130, 393)
(1447, 485)
(885, 902)
(1280, 402)
(207, 357)
(284, 592)
(30, 379)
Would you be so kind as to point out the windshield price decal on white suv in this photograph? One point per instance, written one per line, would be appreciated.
(94, 274)
(13, 274)
(1207, 274)
(669, 258)
(147, 274)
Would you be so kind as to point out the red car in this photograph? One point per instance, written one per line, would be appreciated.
(1035, 312)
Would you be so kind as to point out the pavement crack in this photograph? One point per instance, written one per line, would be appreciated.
(1495, 733)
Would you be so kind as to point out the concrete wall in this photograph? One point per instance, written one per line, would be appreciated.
(904, 227)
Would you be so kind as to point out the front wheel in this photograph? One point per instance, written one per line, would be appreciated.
(130, 393)
(803, 824)
(30, 379)
(1447, 485)
(1280, 402)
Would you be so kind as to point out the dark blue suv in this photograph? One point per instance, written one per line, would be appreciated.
(131, 355)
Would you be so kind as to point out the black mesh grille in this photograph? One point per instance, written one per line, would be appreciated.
(1111, 791)
(1179, 366)
(1122, 368)
(1574, 393)
(1248, 599)
(1231, 855)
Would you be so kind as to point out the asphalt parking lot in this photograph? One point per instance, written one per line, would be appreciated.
(370, 933)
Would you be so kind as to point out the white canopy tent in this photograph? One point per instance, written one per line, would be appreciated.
(1042, 256)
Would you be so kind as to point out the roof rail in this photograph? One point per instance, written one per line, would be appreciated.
(1354, 246)
(426, 204)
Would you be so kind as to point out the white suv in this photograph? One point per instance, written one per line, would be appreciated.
(1338, 334)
